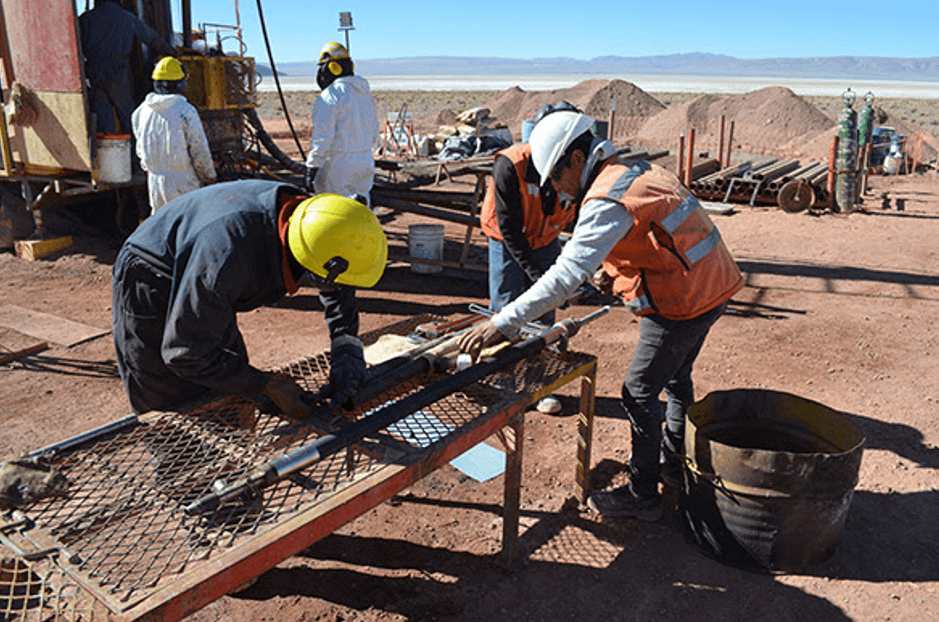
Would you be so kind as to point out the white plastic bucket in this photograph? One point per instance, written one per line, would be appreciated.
(426, 242)
(114, 158)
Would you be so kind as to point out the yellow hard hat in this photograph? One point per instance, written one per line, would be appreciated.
(332, 51)
(169, 69)
(338, 239)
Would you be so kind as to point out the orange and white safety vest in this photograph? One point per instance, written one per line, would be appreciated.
(539, 229)
(673, 261)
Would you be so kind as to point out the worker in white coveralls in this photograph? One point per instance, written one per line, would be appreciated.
(345, 128)
(171, 141)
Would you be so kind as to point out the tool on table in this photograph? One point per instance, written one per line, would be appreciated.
(433, 330)
(308, 455)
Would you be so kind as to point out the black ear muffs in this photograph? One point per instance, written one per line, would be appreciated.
(334, 68)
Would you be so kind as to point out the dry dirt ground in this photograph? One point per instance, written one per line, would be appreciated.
(845, 311)
(840, 309)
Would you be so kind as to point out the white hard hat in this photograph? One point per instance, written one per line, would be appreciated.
(552, 136)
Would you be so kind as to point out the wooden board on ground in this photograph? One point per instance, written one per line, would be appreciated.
(47, 327)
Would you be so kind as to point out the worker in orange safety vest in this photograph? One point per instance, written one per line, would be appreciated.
(522, 219)
(666, 260)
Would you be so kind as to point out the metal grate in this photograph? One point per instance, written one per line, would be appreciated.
(37, 592)
(122, 531)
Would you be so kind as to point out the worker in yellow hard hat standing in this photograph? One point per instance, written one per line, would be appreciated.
(171, 141)
(345, 128)
(182, 277)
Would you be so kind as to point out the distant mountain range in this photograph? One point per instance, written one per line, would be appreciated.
(693, 64)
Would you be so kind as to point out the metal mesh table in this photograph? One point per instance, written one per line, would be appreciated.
(121, 546)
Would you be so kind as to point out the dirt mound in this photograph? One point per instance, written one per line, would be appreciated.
(765, 121)
(595, 97)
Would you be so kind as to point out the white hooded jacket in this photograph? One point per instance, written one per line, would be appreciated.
(345, 130)
(172, 147)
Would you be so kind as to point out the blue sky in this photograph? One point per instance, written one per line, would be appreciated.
(525, 29)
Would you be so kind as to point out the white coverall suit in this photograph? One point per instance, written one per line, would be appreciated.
(172, 147)
(345, 130)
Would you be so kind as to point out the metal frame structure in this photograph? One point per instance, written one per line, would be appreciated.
(121, 547)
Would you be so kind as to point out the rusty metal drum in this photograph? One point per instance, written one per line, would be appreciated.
(769, 479)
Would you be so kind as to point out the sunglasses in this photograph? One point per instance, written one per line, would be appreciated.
(559, 167)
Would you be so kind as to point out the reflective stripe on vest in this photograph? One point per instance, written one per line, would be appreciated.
(673, 261)
(681, 213)
(638, 305)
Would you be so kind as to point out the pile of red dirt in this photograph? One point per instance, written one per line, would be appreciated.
(769, 120)
(595, 97)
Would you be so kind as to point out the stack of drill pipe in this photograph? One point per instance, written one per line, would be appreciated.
(704, 168)
(776, 170)
(743, 185)
(755, 172)
(797, 173)
(708, 184)
(773, 175)
(818, 179)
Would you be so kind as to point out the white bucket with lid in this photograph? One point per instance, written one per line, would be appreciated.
(426, 242)
(114, 158)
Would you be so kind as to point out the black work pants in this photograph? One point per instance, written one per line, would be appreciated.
(139, 303)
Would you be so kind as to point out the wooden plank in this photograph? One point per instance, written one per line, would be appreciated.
(6, 357)
(34, 249)
(47, 327)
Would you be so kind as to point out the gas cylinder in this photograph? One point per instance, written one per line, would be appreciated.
(865, 128)
(847, 155)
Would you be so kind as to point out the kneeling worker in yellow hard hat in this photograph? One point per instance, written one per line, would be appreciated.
(183, 275)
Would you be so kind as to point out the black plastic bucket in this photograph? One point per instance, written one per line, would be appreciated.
(769, 479)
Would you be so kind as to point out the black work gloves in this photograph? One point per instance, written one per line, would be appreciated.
(347, 369)
(309, 180)
(287, 395)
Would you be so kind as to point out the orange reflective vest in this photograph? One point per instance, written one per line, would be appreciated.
(673, 261)
(539, 229)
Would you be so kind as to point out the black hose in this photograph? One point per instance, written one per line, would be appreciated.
(286, 161)
(280, 93)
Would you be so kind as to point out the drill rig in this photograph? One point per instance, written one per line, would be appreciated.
(50, 147)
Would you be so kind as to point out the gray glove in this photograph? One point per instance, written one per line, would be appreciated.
(347, 369)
